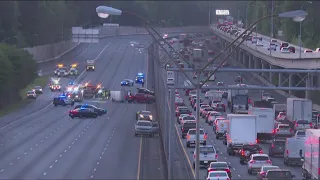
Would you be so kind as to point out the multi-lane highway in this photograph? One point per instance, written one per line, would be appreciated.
(238, 171)
(47, 144)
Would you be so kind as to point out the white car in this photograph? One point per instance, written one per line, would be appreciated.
(181, 117)
(218, 175)
(170, 81)
(256, 161)
(202, 107)
(212, 117)
(259, 43)
(187, 118)
(285, 50)
(208, 154)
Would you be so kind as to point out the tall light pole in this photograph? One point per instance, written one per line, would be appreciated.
(300, 29)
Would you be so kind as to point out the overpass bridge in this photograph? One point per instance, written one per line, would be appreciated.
(259, 57)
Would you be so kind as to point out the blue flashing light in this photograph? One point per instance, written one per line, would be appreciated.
(62, 96)
(140, 75)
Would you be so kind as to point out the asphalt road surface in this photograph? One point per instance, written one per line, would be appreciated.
(47, 144)
(238, 171)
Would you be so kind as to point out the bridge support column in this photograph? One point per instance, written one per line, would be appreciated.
(250, 62)
(243, 57)
(237, 55)
(263, 66)
(256, 62)
(280, 79)
(291, 82)
(309, 83)
(271, 74)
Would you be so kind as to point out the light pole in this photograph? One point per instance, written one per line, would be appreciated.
(300, 29)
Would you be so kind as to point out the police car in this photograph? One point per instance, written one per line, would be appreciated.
(61, 71)
(127, 82)
(140, 78)
(63, 100)
(97, 110)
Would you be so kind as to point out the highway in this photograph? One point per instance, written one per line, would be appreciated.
(47, 144)
(238, 171)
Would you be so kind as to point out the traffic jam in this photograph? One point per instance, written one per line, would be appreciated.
(241, 138)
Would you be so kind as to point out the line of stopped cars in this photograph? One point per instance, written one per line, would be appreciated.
(146, 125)
(242, 131)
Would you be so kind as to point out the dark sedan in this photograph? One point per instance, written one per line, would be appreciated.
(97, 110)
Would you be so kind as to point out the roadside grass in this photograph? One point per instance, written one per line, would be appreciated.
(39, 81)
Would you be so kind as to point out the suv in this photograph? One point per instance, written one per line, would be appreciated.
(256, 161)
(143, 127)
(277, 147)
(186, 126)
(220, 166)
(63, 101)
(207, 154)
(191, 137)
(247, 150)
(276, 174)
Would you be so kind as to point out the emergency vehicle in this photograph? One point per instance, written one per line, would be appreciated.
(73, 71)
(90, 90)
(61, 70)
(55, 85)
(75, 92)
(90, 65)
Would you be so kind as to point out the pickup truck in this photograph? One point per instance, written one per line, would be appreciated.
(191, 137)
(140, 98)
(143, 127)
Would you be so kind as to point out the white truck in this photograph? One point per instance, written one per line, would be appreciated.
(279, 108)
(311, 165)
(197, 54)
(299, 109)
(264, 120)
(241, 130)
(90, 65)
(170, 77)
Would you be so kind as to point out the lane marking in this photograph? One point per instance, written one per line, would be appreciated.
(18, 120)
(185, 152)
(139, 159)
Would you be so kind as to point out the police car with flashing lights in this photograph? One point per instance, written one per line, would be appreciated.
(127, 82)
(73, 71)
(140, 78)
(97, 110)
(63, 100)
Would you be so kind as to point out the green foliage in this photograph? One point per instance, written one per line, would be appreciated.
(291, 30)
(17, 70)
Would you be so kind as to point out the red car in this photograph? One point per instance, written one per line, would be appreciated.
(140, 98)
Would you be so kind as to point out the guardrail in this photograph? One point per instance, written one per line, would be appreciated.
(308, 60)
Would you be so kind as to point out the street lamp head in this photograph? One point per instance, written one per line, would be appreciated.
(297, 16)
(103, 15)
(108, 10)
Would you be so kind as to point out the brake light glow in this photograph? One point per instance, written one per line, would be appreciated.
(262, 173)
(182, 129)
(260, 152)
(252, 161)
(242, 153)
(188, 136)
(227, 170)
(257, 141)
(311, 124)
(194, 156)
(216, 156)
(205, 136)
(269, 162)
(290, 130)
(296, 124)
(287, 151)
(272, 146)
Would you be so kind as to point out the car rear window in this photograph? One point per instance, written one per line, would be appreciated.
(284, 127)
(303, 122)
(185, 111)
(188, 118)
(279, 174)
(254, 146)
(208, 109)
(189, 125)
(144, 124)
(260, 158)
(218, 174)
(279, 143)
(301, 133)
(207, 150)
(193, 131)
(220, 165)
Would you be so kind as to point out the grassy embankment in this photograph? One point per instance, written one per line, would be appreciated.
(40, 81)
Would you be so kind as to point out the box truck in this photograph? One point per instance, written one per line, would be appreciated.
(264, 120)
(299, 109)
(311, 165)
(241, 130)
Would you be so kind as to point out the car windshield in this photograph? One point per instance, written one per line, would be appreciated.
(184, 111)
(144, 123)
(37, 87)
(218, 165)
(301, 133)
(30, 92)
(208, 109)
(260, 158)
(284, 127)
(218, 174)
(146, 113)
(279, 174)
(193, 131)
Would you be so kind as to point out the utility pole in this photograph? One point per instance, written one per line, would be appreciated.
(197, 163)
(271, 26)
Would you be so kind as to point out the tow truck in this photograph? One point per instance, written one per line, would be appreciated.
(73, 71)
(90, 65)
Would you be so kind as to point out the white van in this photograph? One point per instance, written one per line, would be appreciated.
(294, 151)
(221, 127)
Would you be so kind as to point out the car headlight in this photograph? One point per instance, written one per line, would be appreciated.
(77, 96)
(40, 89)
(141, 115)
(150, 117)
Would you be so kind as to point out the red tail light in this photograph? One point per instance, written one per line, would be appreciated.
(194, 156)
(205, 136)
(216, 156)
(227, 170)
(290, 130)
(278, 130)
(242, 153)
(190, 113)
(311, 124)
(262, 173)
(260, 152)
(182, 129)
(252, 161)
(269, 162)
(296, 124)
(272, 146)
(287, 151)
(257, 141)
